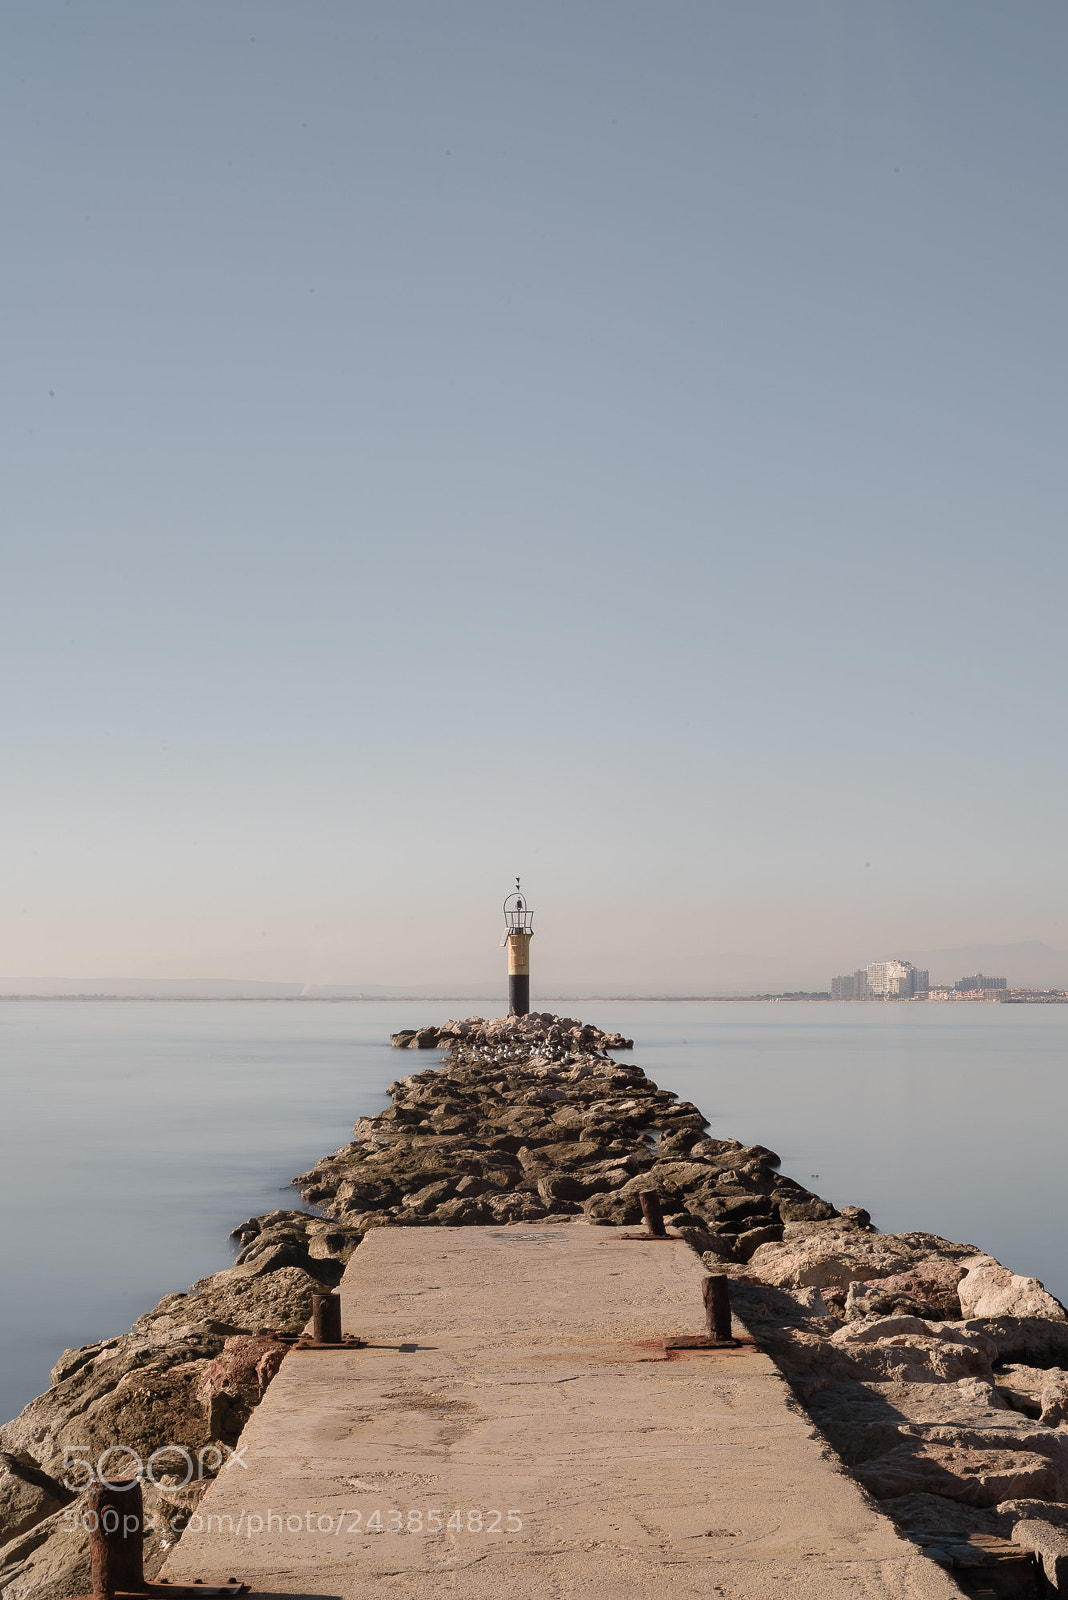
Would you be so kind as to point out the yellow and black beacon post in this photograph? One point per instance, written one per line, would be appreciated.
(517, 935)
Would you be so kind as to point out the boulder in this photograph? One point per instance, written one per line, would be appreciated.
(27, 1495)
(234, 1383)
(920, 1512)
(927, 1289)
(1050, 1545)
(988, 1289)
(976, 1477)
(759, 1303)
(900, 1350)
(749, 1241)
(833, 1258)
(47, 1562)
(617, 1206)
(1012, 1511)
(279, 1302)
(1033, 1341)
(1054, 1399)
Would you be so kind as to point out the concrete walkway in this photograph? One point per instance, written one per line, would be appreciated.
(515, 1431)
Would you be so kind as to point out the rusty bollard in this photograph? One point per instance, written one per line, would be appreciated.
(116, 1530)
(654, 1217)
(326, 1318)
(717, 1298)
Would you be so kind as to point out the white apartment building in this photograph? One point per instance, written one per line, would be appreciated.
(892, 980)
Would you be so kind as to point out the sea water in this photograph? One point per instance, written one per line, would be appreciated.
(134, 1135)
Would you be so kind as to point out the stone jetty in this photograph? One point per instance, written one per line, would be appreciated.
(937, 1378)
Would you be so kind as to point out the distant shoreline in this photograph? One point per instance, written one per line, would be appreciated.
(416, 999)
(1037, 997)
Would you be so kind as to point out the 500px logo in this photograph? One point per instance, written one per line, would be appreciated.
(111, 1520)
(204, 1467)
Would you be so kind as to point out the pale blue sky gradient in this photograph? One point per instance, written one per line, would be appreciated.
(621, 444)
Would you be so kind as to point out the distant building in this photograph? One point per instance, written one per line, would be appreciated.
(881, 980)
(979, 981)
(852, 986)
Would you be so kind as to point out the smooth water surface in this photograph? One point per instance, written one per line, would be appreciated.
(135, 1135)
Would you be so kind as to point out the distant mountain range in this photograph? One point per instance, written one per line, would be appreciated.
(1031, 965)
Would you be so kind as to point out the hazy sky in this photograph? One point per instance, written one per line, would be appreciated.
(622, 444)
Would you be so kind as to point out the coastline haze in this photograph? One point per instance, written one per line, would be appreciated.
(1030, 965)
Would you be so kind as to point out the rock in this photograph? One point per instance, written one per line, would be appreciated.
(928, 1289)
(750, 1241)
(427, 1199)
(236, 1381)
(756, 1303)
(836, 1258)
(977, 1477)
(27, 1495)
(1054, 1399)
(618, 1207)
(48, 1562)
(463, 1213)
(1050, 1544)
(932, 1513)
(990, 1290)
(806, 1210)
(906, 1355)
(470, 1185)
(866, 1420)
(415, 1039)
(268, 1255)
(1012, 1511)
(562, 1191)
(1021, 1387)
(141, 1389)
(1034, 1341)
(279, 1302)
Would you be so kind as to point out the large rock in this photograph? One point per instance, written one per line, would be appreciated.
(1033, 1341)
(230, 1386)
(928, 1289)
(1050, 1544)
(920, 1512)
(141, 1389)
(27, 1495)
(863, 1420)
(990, 1290)
(977, 1477)
(48, 1562)
(835, 1259)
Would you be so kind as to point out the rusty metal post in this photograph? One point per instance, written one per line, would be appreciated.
(717, 1298)
(326, 1318)
(654, 1217)
(116, 1531)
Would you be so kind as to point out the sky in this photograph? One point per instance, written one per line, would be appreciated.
(617, 444)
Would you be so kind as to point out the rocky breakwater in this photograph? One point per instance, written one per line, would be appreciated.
(171, 1395)
(939, 1377)
(531, 1120)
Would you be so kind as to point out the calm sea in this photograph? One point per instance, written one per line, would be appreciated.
(135, 1135)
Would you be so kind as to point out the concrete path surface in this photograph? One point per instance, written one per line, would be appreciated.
(516, 1430)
